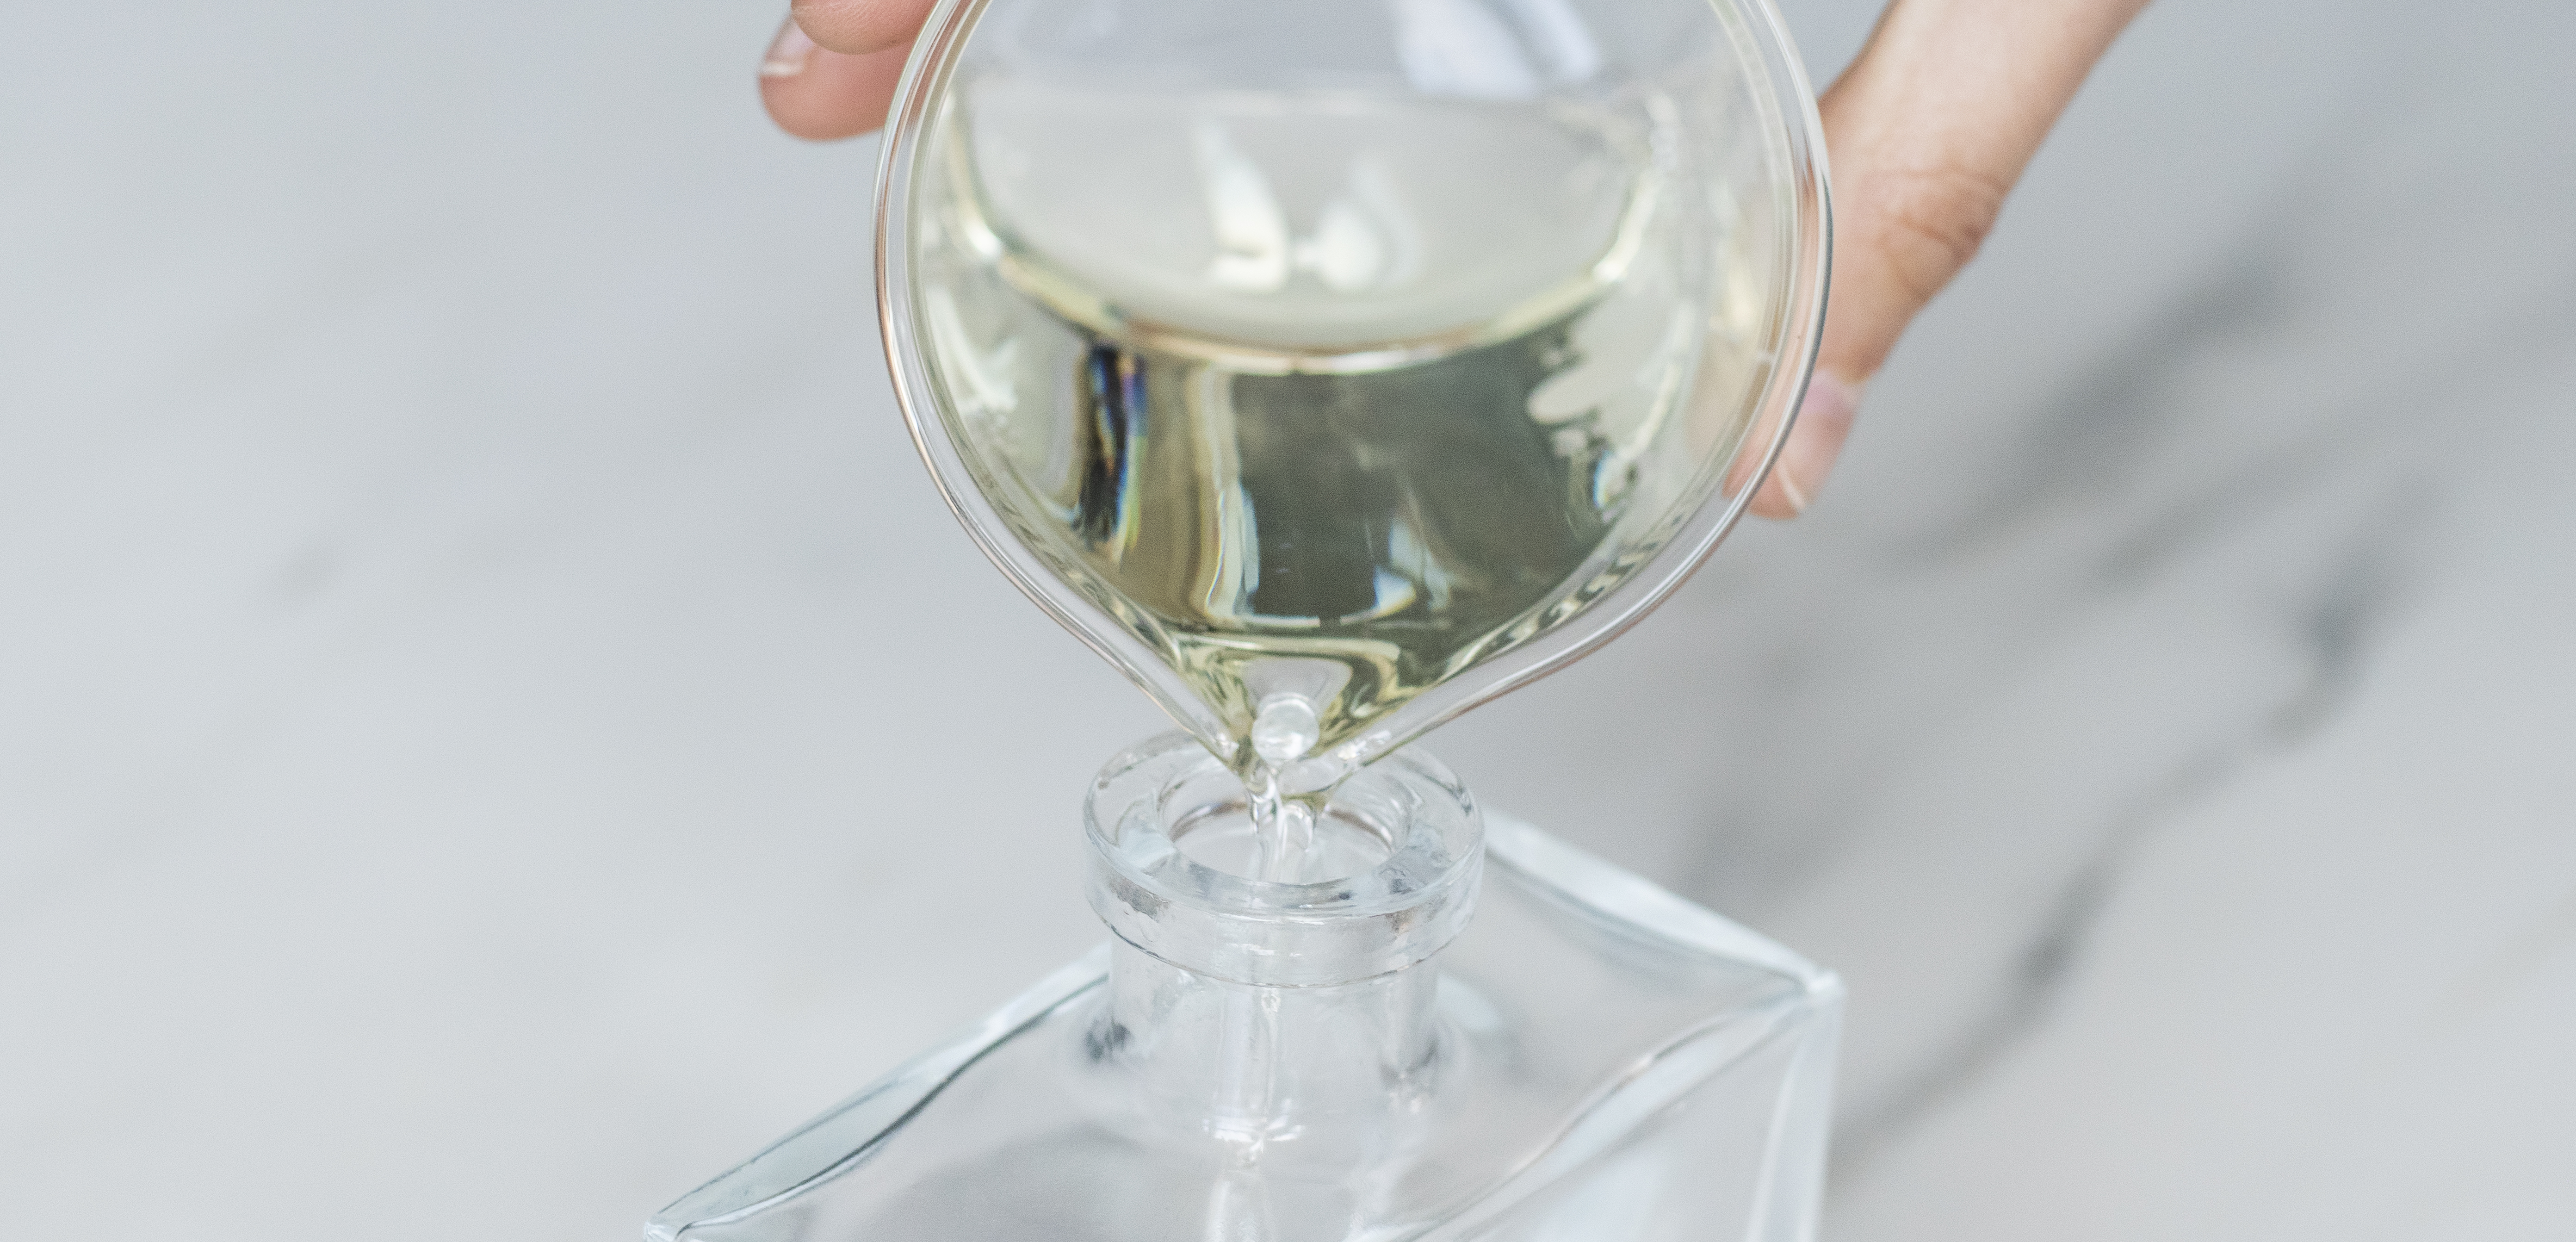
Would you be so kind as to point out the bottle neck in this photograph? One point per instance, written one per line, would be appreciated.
(1277, 1018)
(1274, 1074)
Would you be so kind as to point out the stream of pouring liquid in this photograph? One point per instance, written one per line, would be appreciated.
(1283, 826)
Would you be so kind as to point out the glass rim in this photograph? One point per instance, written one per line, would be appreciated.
(1399, 911)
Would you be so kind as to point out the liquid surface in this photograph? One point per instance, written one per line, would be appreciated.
(1324, 397)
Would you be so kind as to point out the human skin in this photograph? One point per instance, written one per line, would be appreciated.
(1927, 131)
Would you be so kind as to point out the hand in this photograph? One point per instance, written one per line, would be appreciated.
(1928, 130)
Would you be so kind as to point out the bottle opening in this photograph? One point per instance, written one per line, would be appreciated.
(1384, 877)
(1226, 839)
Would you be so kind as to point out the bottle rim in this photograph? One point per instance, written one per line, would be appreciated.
(1391, 916)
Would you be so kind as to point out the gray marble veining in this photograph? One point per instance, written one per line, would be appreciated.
(2149, 596)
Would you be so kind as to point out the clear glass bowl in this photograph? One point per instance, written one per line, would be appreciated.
(1387, 352)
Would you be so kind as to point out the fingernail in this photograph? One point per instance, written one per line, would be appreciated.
(1824, 422)
(789, 53)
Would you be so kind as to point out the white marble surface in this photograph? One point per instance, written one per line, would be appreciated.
(471, 763)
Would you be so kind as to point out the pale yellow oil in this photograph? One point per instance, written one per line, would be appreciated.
(1304, 395)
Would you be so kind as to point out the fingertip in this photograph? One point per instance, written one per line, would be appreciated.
(818, 94)
(1825, 421)
(790, 53)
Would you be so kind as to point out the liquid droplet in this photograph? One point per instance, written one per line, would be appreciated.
(1285, 728)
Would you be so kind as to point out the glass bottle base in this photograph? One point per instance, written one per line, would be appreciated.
(1606, 1061)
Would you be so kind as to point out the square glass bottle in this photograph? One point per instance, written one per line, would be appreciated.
(1356, 1058)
